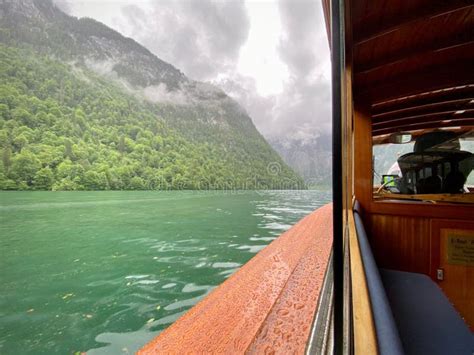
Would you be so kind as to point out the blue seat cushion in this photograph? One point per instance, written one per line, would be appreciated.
(426, 320)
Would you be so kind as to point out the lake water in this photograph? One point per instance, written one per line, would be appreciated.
(105, 272)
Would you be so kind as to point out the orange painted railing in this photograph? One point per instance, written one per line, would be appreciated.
(268, 305)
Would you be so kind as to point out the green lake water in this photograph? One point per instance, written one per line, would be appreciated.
(105, 272)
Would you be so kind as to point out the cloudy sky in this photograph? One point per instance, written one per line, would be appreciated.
(270, 55)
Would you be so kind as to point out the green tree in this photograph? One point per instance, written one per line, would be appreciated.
(22, 116)
(137, 183)
(67, 184)
(121, 145)
(44, 179)
(4, 111)
(68, 153)
(68, 169)
(19, 142)
(7, 184)
(7, 159)
(4, 140)
(94, 180)
(24, 167)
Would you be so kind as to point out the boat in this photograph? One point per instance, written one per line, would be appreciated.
(388, 267)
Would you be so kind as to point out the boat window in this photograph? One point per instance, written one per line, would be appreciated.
(435, 165)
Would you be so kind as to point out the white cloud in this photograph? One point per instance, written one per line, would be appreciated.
(259, 57)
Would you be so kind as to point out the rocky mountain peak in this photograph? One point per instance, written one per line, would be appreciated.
(43, 26)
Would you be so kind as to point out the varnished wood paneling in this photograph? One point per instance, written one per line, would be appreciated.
(465, 120)
(422, 209)
(417, 244)
(411, 104)
(362, 155)
(365, 341)
(394, 20)
(348, 151)
(465, 198)
(421, 81)
(458, 280)
(458, 283)
(401, 243)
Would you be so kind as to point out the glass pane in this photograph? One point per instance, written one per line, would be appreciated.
(436, 162)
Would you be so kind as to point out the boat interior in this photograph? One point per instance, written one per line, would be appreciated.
(403, 101)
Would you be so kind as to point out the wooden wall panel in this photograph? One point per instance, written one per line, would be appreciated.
(402, 236)
(416, 244)
(423, 209)
(401, 242)
(362, 155)
(458, 283)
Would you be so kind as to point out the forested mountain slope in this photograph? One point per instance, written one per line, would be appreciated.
(82, 107)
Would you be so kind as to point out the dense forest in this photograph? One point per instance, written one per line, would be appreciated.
(66, 128)
(66, 124)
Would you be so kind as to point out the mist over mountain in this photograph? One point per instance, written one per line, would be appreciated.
(83, 107)
(304, 147)
(310, 157)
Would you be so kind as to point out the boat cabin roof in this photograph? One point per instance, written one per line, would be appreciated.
(412, 62)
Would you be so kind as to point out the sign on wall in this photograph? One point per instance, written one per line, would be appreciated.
(460, 247)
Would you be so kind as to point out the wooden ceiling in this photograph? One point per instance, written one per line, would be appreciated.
(413, 61)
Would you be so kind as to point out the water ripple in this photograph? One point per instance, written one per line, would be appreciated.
(109, 271)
